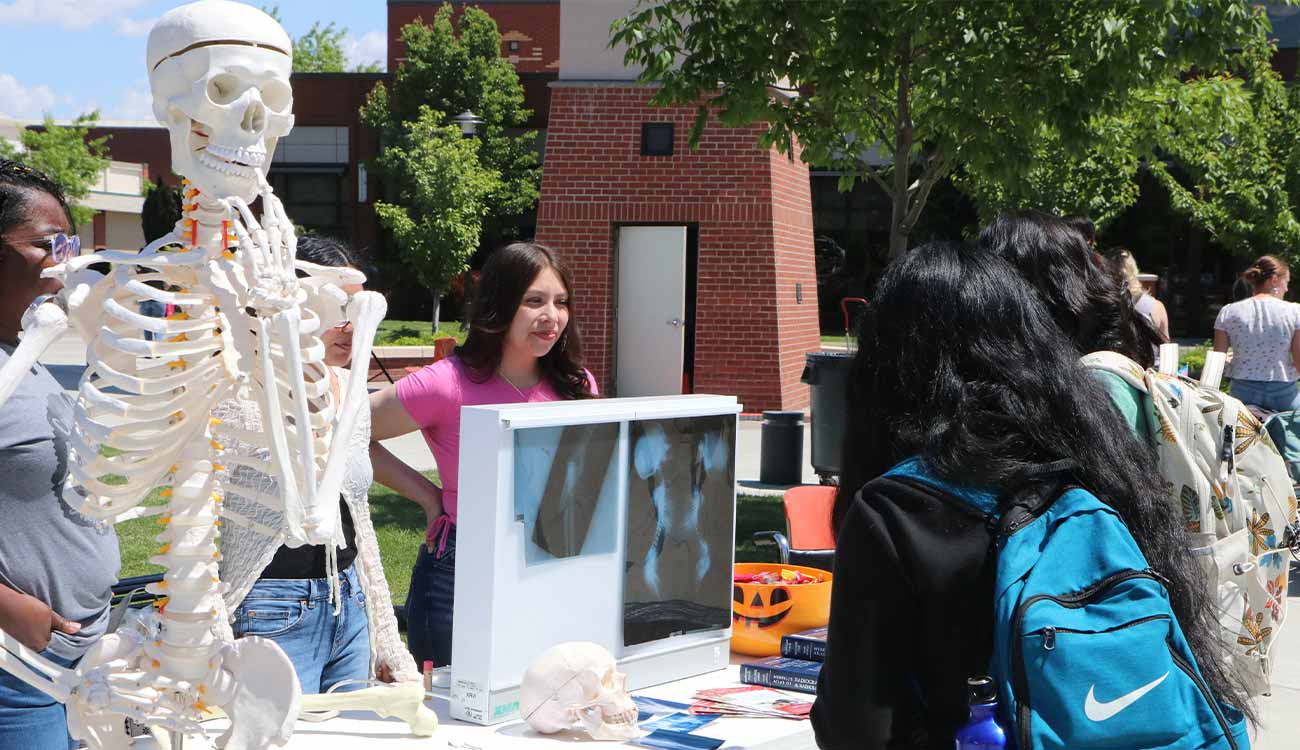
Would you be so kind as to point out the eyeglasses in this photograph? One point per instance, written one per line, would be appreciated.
(61, 247)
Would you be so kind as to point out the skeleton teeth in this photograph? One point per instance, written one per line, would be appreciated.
(224, 167)
(253, 156)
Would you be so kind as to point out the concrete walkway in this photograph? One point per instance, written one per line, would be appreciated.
(1281, 731)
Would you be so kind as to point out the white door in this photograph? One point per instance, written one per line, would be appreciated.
(651, 325)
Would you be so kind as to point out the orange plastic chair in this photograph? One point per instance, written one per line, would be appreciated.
(809, 539)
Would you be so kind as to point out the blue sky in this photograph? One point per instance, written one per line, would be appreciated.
(66, 57)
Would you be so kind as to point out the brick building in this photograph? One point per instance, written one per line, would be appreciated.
(746, 292)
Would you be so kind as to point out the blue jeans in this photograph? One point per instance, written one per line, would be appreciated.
(429, 604)
(30, 719)
(1274, 395)
(297, 615)
(154, 309)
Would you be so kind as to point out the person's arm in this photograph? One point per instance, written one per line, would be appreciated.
(1295, 349)
(393, 473)
(869, 644)
(31, 620)
(1221, 341)
(388, 417)
(1160, 318)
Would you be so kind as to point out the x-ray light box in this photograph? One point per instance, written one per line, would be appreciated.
(609, 520)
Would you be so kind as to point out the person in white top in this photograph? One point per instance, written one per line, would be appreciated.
(1264, 334)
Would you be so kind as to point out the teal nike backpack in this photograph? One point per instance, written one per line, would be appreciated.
(1086, 650)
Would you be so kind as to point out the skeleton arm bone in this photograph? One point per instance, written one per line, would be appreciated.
(366, 312)
(42, 324)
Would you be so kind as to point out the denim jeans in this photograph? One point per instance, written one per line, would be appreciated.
(429, 604)
(154, 309)
(1274, 395)
(297, 615)
(30, 719)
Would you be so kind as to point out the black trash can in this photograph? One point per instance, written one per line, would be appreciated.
(828, 374)
(781, 449)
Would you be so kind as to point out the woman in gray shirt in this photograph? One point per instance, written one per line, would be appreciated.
(56, 568)
(1264, 333)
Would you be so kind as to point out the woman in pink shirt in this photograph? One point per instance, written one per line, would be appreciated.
(520, 348)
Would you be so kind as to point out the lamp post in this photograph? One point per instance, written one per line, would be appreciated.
(468, 122)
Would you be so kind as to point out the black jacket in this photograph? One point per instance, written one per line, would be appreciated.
(911, 619)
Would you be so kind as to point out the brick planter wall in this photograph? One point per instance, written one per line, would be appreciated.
(754, 213)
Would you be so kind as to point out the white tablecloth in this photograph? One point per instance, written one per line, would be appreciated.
(356, 731)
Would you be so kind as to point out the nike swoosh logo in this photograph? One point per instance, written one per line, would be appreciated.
(1098, 711)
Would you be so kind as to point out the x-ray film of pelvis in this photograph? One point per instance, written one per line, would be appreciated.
(681, 526)
(566, 490)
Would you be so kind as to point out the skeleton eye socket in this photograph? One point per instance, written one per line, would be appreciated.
(276, 95)
(223, 88)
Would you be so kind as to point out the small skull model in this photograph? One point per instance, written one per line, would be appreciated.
(578, 683)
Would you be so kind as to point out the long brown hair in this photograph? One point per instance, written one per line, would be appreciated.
(505, 279)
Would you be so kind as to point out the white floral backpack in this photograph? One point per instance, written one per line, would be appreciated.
(1237, 500)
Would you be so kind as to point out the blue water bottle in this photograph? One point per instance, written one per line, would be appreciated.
(982, 731)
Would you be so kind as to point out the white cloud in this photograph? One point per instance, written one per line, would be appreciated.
(70, 15)
(136, 103)
(134, 26)
(24, 102)
(372, 47)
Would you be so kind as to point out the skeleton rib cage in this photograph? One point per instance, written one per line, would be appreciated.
(244, 328)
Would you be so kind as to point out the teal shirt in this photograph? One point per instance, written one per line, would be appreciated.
(1130, 402)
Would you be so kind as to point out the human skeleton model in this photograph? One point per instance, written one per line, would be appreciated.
(246, 329)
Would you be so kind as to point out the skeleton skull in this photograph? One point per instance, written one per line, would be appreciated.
(219, 72)
(578, 682)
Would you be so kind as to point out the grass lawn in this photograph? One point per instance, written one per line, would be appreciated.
(399, 525)
(416, 332)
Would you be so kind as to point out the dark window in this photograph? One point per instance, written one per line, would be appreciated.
(514, 46)
(656, 139)
(315, 199)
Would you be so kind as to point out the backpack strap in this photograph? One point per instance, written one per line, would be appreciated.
(1117, 364)
(1033, 493)
(1028, 495)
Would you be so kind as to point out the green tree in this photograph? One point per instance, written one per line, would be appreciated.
(454, 65)
(438, 215)
(66, 155)
(320, 50)
(1231, 154)
(1222, 145)
(941, 86)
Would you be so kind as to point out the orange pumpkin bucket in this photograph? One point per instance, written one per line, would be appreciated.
(761, 613)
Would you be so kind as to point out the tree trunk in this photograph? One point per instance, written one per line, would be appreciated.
(436, 295)
(899, 229)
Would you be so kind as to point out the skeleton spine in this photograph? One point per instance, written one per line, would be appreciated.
(186, 648)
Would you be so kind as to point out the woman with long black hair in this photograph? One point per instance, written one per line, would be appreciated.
(971, 374)
(1085, 296)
